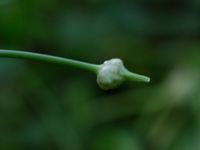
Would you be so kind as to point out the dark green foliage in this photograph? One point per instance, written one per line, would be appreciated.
(50, 107)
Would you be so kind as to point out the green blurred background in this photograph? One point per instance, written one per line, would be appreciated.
(49, 107)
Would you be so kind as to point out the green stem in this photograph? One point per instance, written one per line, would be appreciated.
(48, 58)
(136, 77)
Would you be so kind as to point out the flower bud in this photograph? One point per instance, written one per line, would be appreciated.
(112, 74)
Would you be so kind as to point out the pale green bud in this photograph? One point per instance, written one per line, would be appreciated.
(112, 74)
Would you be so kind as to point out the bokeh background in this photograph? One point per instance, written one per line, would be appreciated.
(50, 107)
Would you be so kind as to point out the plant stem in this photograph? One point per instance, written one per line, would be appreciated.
(110, 74)
(136, 77)
(48, 58)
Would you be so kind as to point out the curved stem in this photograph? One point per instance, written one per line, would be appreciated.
(48, 58)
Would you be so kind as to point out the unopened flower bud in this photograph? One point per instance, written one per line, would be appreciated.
(112, 74)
